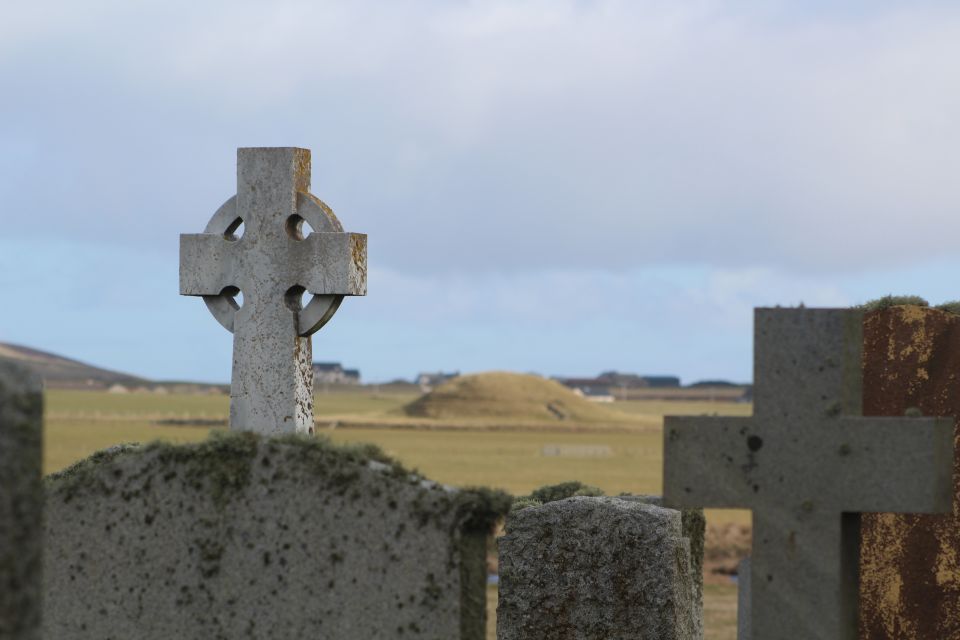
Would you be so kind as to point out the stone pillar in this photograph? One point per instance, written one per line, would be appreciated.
(910, 564)
(21, 502)
(595, 567)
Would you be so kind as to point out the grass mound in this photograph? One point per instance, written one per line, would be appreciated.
(512, 396)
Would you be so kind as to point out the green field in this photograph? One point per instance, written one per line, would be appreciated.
(79, 423)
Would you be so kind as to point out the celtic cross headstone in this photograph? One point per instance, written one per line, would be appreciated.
(273, 264)
(808, 464)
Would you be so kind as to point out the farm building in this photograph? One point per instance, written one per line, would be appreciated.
(334, 373)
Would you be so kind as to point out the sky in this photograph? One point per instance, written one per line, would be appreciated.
(558, 186)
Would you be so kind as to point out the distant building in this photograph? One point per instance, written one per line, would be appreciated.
(610, 382)
(430, 381)
(334, 373)
(595, 393)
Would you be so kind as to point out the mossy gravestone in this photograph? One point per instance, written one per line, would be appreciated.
(21, 502)
(596, 568)
(244, 537)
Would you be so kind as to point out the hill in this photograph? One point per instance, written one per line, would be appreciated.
(510, 396)
(64, 373)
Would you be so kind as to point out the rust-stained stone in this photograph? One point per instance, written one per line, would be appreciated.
(910, 569)
(808, 464)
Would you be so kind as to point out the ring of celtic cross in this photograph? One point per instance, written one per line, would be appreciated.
(310, 209)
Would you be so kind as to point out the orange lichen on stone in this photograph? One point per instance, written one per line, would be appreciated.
(910, 564)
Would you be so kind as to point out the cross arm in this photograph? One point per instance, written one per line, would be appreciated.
(707, 462)
(333, 263)
(899, 464)
(206, 264)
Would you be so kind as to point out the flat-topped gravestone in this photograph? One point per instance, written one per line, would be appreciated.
(274, 263)
(595, 568)
(693, 526)
(21, 502)
(264, 538)
(910, 564)
(807, 464)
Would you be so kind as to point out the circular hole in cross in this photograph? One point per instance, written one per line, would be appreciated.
(234, 296)
(298, 228)
(296, 298)
(235, 231)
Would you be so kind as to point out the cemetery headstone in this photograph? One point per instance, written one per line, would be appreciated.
(273, 264)
(693, 525)
(595, 568)
(807, 464)
(910, 564)
(21, 502)
(242, 537)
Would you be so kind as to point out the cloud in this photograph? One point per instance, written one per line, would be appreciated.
(495, 137)
(564, 185)
(502, 136)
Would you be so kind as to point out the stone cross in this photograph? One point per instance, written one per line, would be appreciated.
(807, 464)
(273, 264)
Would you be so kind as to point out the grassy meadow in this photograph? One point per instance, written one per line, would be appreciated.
(79, 423)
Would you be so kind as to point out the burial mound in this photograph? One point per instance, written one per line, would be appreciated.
(514, 396)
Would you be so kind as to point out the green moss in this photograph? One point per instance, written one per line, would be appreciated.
(223, 465)
(479, 508)
(83, 474)
(224, 461)
(525, 502)
(892, 301)
(952, 306)
(318, 452)
(554, 492)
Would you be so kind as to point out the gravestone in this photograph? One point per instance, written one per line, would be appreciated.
(21, 502)
(693, 526)
(807, 464)
(242, 536)
(595, 568)
(910, 563)
(273, 264)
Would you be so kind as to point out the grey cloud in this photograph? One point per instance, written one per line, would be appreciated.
(500, 137)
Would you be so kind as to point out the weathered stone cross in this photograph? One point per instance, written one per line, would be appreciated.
(273, 265)
(808, 464)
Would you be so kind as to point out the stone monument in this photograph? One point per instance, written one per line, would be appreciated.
(21, 503)
(596, 568)
(245, 536)
(273, 264)
(808, 465)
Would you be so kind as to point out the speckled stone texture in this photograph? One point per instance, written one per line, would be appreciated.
(241, 537)
(273, 264)
(595, 568)
(910, 564)
(21, 502)
(693, 526)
